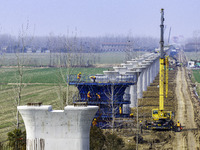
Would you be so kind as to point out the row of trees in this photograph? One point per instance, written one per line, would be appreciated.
(57, 44)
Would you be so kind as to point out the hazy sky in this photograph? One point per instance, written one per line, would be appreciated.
(100, 17)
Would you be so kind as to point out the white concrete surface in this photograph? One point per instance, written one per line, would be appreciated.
(132, 92)
(48, 129)
(112, 75)
(121, 70)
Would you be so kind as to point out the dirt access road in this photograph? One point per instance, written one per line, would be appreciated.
(188, 139)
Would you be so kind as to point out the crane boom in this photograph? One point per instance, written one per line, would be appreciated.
(162, 34)
(162, 119)
(162, 63)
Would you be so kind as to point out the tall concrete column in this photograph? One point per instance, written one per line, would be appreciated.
(132, 90)
(145, 65)
(158, 65)
(140, 69)
(144, 82)
(126, 97)
(149, 71)
(148, 75)
(152, 72)
(48, 129)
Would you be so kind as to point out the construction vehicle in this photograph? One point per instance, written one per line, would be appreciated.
(162, 119)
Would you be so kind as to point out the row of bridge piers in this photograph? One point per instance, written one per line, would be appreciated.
(69, 129)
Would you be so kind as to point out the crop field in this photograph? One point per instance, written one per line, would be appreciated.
(193, 55)
(43, 75)
(47, 59)
(40, 85)
(196, 74)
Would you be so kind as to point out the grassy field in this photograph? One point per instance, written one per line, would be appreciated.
(193, 55)
(196, 74)
(44, 85)
(49, 91)
(43, 75)
(45, 59)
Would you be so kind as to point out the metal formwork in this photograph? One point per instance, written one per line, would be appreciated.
(111, 96)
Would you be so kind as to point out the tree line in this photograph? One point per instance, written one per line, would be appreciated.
(73, 44)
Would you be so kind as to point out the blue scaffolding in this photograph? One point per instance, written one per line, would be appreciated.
(111, 96)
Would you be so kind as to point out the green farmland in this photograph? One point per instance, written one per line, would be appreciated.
(193, 55)
(55, 59)
(196, 74)
(40, 85)
(43, 75)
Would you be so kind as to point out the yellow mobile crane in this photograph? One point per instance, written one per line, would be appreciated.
(162, 119)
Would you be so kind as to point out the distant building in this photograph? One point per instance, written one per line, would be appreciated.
(191, 64)
(4, 49)
(38, 51)
(29, 50)
(47, 51)
(115, 47)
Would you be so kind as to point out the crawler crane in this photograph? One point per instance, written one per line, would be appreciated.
(162, 119)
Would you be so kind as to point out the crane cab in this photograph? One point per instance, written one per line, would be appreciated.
(161, 120)
(161, 114)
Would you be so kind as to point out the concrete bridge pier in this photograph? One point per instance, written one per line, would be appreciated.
(112, 75)
(48, 129)
(145, 65)
(132, 92)
(149, 72)
(140, 81)
(120, 69)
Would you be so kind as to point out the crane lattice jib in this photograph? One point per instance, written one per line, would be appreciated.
(162, 64)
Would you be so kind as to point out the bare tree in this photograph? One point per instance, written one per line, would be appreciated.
(21, 61)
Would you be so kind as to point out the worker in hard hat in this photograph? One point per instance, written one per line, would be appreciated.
(89, 96)
(141, 127)
(178, 125)
(98, 97)
(79, 76)
(120, 110)
(94, 122)
(131, 114)
(93, 78)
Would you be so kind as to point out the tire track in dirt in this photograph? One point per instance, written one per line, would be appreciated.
(187, 139)
(180, 142)
(191, 138)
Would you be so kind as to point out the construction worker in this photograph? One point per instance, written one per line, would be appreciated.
(120, 110)
(141, 127)
(89, 96)
(94, 122)
(131, 115)
(178, 125)
(161, 114)
(98, 97)
(93, 78)
(79, 76)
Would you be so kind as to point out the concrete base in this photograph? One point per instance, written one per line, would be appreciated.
(67, 129)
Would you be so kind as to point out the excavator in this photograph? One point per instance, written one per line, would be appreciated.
(162, 119)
